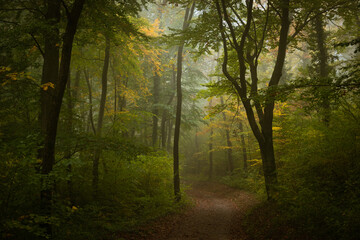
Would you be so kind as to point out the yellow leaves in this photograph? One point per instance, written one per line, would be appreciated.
(46, 86)
(276, 128)
(6, 76)
(5, 69)
(255, 162)
(153, 30)
(74, 208)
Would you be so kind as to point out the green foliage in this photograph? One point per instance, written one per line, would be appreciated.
(319, 186)
(132, 193)
(252, 181)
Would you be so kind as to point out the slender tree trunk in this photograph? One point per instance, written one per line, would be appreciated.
(155, 112)
(322, 56)
(170, 120)
(210, 176)
(91, 116)
(228, 141)
(163, 129)
(188, 15)
(72, 94)
(169, 134)
(164, 119)
(156, 95)
(242, 140)
(97, 153)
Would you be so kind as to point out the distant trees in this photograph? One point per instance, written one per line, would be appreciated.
(248, 31)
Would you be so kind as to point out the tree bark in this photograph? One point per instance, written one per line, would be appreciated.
(323, 67)
(242, 140)
(188, 15)
(95, 182)
(52, 106)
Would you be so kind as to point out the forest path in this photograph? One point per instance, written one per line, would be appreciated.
(216, 215)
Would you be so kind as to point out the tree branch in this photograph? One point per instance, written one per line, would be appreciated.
(37, 44)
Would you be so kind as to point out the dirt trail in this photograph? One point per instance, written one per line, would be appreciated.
(216, 215)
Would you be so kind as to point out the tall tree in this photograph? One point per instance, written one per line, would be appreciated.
(51, 108)
(188, 16)
(263, 133)
(104, 77)
(211, 151)
(322, 57)
(155, 111)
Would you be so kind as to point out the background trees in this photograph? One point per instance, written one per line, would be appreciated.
(271, 86)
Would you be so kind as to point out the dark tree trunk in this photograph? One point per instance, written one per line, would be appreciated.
(50, 74)
(52, 106)
(91, 116)
(242, 141)
(155, 112)
(170, 119)
(323, 67)
(228, 141)
(95, 182)
(72, 93)
(50, 71)
(188, 15)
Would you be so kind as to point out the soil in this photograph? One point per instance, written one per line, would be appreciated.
(216, 214)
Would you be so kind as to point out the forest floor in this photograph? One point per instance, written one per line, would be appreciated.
(216, 214)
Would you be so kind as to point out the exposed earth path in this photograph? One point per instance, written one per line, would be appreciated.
(215, 215)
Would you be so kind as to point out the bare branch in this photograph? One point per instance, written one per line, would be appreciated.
(37, 44)
(275, 9)
(263, 34)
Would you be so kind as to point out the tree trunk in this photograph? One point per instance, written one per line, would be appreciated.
(169, 134)
(170, 120)
(163, 129)
(164, 119)
(91, 116)
(228, 141)
(155, 112)
(242, 139)
(52, 106)
(95, 183)
(72, 93)
(188, 15)
(210, 176)
(50, 71)
(323, 67)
